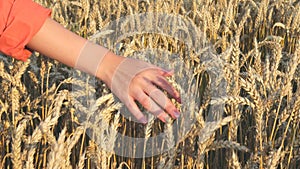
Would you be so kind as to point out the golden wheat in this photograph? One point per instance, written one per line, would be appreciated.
(45, 123)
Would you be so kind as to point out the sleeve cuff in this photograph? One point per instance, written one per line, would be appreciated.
(25, 20)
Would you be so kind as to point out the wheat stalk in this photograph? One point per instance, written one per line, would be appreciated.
(16, 145)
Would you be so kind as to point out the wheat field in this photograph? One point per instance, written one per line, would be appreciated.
(255, 42)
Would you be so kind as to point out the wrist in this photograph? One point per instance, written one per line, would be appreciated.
(108, 66)
(90, 58)
(98, 61)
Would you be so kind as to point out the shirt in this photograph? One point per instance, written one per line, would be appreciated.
(20, 20)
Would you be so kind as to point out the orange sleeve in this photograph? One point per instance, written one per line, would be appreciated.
(20, 20)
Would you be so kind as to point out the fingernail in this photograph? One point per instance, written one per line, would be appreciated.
(176, 114)
(143, 120)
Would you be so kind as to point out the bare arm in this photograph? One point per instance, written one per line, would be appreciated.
(58, 43)
(61, 44)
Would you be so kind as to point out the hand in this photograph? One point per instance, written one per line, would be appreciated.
(135, 80)
(131, 80)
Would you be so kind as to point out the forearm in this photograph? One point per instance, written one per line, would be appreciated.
(58, 43)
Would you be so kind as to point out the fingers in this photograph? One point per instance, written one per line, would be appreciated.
(158, 77)
(165, 73)
(134, 109)
(162, 100)
(164, 84)
(151, 106)
(143, 88)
